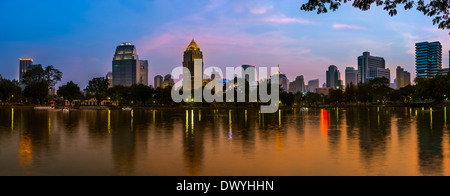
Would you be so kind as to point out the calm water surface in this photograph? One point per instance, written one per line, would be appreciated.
(355, 141)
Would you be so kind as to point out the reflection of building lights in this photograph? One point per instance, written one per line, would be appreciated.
(445, 116)
(187, 121)
(230, 134)
(324, 122)
(49, 125)
(246, 117)
(154, 117)
(12, 120)
(132, 119)
(279, 118)
(192, 120)
(109, 121)
(431, 118)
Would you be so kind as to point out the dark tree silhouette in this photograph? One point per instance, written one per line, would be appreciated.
(439, 9)
(97, 88)
(70, 91)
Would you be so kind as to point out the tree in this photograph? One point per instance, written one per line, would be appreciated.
(36, 91)
(379, 89)
(10, 91)
(287, 98)
(70, 91)
(336, 96)
(437, 8)
(37, 82)
(119, 93)
(97, 88)
(50, 76)
(350, 93)
(141, 93)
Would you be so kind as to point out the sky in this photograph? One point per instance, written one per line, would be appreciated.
(79, 37)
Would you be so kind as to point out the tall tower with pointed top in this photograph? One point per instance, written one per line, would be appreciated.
(193, 58)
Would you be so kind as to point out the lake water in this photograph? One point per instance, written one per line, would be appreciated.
(294, 142)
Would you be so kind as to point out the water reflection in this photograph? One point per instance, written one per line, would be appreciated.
(334, 141)
(430, 141)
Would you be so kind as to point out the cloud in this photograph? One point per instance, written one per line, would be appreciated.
(261, 10)
(347, 26)
(286, 20)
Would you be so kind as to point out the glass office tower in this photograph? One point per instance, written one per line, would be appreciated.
(126, 65)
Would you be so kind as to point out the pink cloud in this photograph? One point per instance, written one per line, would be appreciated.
(261, 10)
(347, 26)
(285, 20)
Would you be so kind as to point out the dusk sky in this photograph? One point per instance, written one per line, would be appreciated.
(79, 37)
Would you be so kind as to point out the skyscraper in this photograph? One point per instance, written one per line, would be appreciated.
(428, 59)
(313, 85)
(125, 65)
(403, 78)
(334, 78)
(371, 67)
(143, 72)
(298, 85)
(351, 76)
(193, 58)
(283, 80)
(168, 81)
(158, 82)
(109, 77)
(252, 81)
(26, 64)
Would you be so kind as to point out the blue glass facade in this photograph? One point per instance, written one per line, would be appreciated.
(428, 59)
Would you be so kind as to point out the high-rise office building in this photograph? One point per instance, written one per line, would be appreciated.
(283, 80)
(26, 64)
(292, 87)
(252, 81)
(313, 85)
(143, 72)
(371, 67)
(428, 59)
(403, 78)
(334, 78)
(351, 76)
(168, 81)
(158, 82)
(298, 85)
(109, 77)
(192, 59)
(125, 65)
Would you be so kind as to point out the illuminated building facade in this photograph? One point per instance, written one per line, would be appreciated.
(126, 65)
(26, 64)
(193, 58)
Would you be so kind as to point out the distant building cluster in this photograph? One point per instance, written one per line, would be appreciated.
(128, 70)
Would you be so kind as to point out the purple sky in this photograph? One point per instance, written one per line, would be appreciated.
(79, 37)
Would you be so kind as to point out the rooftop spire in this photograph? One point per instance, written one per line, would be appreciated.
(193, 45)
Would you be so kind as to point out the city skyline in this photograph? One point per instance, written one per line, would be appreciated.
(260, 33)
